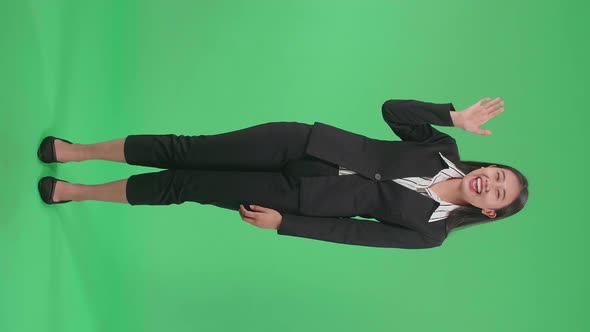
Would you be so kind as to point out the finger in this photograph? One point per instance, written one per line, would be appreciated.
(495, 106)
(484, 132)
(247, 219)
(249, 214)
(259, 208)
(250, 221)
(496, 112)
(486, 99)
(246, 212)
(493, 102)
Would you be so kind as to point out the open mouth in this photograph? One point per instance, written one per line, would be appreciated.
(476, 185)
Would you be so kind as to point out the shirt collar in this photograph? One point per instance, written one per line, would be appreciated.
(451, 171)
(451, 165)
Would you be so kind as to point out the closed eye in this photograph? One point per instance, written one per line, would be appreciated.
(504, 179)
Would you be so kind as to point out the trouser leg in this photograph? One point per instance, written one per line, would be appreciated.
(226, 189)
(264, 147)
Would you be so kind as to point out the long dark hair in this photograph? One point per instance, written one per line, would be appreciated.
(469, 215)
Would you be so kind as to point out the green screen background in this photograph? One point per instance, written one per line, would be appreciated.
(91, 71)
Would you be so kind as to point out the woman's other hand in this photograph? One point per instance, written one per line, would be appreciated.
(473, 117)
(261, 217)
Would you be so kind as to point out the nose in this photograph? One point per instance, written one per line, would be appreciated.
(492, 184)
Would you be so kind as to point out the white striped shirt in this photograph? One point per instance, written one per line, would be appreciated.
(422, 185)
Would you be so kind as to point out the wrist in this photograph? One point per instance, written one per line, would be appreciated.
(457, 119)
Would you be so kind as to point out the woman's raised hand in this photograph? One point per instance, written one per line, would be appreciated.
(261, 217)
(473, 117)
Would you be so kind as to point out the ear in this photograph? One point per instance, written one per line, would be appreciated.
(489, 213)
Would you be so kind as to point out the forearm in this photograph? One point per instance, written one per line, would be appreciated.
(354, 232)
(415, 112)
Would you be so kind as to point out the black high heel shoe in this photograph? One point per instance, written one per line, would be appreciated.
(46, 150)
(47, 188)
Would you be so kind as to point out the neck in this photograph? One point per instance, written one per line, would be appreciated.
(450, 191)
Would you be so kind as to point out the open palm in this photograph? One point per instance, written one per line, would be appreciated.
(477, 114)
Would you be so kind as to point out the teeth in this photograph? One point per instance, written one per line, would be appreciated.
(479, 185)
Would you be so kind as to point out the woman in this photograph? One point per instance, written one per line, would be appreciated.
(310, 180)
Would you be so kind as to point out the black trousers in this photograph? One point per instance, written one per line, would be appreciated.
(258, 165)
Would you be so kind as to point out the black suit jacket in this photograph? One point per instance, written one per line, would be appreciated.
(328, 203)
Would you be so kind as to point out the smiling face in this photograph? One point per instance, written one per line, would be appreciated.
(490, 188)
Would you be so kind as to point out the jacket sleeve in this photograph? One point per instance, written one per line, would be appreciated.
(411, 119)
(354, 232)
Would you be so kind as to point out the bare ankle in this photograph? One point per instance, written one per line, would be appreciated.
(68, 152)
(65, 191)
(112, 150)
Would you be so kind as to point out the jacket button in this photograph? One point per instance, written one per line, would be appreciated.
(378, 176)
